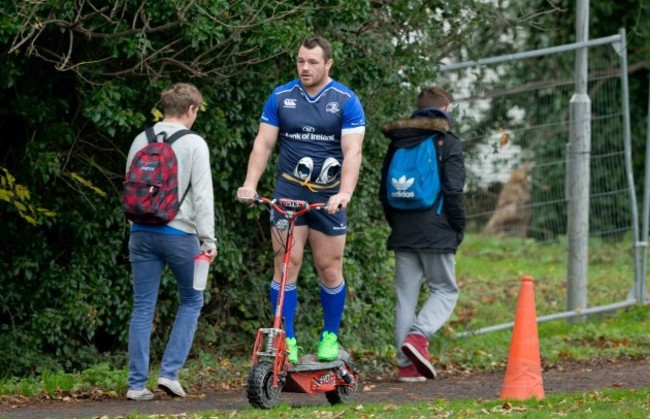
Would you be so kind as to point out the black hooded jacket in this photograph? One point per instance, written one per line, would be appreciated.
(425, 230)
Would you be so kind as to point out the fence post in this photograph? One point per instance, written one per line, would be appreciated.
(578, 171)
(640, 289)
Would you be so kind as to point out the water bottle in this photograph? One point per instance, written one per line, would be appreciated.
(201, 267)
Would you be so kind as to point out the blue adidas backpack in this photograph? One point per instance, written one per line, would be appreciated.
(413, 180)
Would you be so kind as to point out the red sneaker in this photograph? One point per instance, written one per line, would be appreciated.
(416, 348)
(409, 374)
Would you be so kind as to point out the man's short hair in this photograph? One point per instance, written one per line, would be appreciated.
(434, 96)
(177, 98)
(318, 41)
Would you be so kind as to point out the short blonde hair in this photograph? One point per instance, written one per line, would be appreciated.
(177, 98)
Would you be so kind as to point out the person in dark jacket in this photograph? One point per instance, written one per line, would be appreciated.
(425, 241)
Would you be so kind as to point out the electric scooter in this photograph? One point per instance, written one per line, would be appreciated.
(271, 371)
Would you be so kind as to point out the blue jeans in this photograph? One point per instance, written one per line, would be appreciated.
(149, 253)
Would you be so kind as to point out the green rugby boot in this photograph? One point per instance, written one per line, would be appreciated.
(292, 350)
(328, 348)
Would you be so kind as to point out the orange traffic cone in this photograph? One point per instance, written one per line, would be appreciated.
(523, 378)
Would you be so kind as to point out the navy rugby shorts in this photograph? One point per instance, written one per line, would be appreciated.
(330, 224)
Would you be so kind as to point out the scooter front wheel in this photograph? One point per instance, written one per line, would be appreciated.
(342, 394)
(261, 393)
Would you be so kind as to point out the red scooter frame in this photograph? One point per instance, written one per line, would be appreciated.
(271, 371)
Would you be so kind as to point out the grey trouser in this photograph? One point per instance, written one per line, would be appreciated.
(412, 269)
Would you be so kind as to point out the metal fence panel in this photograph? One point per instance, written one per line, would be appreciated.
(513, 115)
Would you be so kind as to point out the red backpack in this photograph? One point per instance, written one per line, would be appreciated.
(151, 185)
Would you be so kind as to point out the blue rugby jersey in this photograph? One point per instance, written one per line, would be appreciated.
(310, 128)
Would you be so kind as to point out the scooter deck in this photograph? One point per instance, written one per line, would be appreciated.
(311, 363)
(315, 366)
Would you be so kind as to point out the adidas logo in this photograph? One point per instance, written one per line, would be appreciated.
(402, 184)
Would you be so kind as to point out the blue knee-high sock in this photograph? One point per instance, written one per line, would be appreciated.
(333, 302)
(289, 308)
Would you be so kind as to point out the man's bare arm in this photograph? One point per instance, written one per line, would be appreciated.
(265, 140)
(351, 145)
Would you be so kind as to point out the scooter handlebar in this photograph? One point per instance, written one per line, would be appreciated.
(282, 205)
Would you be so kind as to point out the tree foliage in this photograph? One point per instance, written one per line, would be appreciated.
(80, 79)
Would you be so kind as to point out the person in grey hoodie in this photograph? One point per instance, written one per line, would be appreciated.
(175, 244)
(425, 240)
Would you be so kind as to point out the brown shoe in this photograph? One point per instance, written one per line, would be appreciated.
(416, 348)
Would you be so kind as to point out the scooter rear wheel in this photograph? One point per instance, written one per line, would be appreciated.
(261, 393)
(342, 395)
